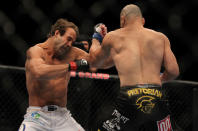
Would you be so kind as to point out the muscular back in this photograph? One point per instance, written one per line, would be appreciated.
(137, 55)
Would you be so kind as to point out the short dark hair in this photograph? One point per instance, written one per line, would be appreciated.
(60, 25)
(131, 9)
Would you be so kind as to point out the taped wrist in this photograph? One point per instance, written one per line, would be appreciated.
(98, 37)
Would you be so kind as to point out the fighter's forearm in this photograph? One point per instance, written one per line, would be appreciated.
(93, 61)
(95, 45)
(45, 71)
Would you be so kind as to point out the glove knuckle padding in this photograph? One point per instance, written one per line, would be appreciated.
(97, 32)
(97, 28)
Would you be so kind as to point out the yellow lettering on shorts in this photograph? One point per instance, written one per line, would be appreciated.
(129, 92)
(138, 91)
(133, 92)
(158, 93)
(145, 91)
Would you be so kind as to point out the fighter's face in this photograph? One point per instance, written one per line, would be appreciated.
(86, 45)
(63, 43)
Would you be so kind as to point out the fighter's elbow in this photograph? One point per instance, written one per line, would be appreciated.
(92, 64)
(92, 61)
(176, 72)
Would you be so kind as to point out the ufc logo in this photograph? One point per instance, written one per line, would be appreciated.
(165, 124)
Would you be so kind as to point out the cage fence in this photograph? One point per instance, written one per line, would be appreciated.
(90, 100)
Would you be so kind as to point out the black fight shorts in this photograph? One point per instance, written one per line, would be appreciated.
(141, 107)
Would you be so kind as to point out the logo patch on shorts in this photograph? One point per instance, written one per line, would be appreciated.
(145, 104)
(165, 124)
(35, 115)
(114, 124)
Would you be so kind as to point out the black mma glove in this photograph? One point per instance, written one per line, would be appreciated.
(97, 32)
(79, 65)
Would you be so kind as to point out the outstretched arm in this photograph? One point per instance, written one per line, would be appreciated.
(169, 62)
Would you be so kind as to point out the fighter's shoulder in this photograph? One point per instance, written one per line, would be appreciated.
(34, 50)
(157, 33)
(113, 34)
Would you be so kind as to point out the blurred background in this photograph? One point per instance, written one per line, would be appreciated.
(24, 23)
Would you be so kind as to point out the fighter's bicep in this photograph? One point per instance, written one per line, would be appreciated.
(108, 63)
(34, 57)
(169, 57)
(103, 52)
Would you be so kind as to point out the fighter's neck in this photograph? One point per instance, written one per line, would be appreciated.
(47, 47)
(48, 44)
(134, 26)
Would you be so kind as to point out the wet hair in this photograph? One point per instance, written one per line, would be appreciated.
(131, 10)
(61, 25)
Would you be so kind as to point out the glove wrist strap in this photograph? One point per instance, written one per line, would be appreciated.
(72, 66)
(98, 37)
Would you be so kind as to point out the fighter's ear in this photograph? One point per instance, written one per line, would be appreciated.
(122, 21)
(56, 32)
(143, 21)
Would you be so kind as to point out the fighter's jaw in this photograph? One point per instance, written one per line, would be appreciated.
(63, 50)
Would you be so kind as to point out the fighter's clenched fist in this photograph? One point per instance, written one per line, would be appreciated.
(100, 30)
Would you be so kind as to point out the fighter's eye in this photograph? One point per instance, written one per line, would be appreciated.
(69, 39)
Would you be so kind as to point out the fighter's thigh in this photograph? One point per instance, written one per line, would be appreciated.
(72, 125)
(30, 126)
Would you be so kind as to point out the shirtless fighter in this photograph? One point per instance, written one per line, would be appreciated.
(138, 54)
(47, 76)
